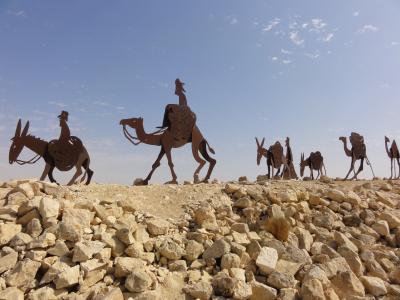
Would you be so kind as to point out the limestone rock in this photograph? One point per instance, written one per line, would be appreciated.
(374, 285)
(7, 232)
(49, 207)
(158, 226)
(23, 274)
(138, 281)
(267, 260)
(262, 292)
(346, 284)
(67, 278)
(312, 290)
(201, 290)
(217, 249)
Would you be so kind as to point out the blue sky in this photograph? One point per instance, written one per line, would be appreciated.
(312, 70)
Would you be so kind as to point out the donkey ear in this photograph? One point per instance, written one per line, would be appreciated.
(262, 142)
(25, 131)
(18, 129)
(258, 143)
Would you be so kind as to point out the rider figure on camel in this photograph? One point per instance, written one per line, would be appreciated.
(179, 91)
(65, 133)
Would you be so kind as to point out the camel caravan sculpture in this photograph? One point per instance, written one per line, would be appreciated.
(64, 154)
(358, 151)
(394, 155)
(178, 128)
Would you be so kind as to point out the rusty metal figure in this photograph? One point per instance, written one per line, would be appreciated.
(394, 154)
(358, 151)
(274, 156)
(315, 162)
(63, 154)
(289, 172)
(179, 128)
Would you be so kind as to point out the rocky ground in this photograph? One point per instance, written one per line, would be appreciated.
(266, 240)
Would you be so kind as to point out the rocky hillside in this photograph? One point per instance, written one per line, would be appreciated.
(266, 240)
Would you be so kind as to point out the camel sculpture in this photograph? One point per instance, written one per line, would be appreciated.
(290, 172)
(274, 156)
(315, 162)
(394, 154)
(167, 139)
(358, 151)
(54, 157)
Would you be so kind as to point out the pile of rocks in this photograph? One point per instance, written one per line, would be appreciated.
(266, 240)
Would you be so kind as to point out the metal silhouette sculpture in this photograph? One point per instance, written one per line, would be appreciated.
(178, 128)
(358, 151)
(64, 154)
(274, 156)
(289, 172)
(315, 162)
(394, 155)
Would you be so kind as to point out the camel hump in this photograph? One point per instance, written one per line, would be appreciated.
(65, 154)
(181, 121)
(356, 139)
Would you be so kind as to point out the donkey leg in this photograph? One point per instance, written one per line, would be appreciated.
(155, 165)
(78, 168)
(51, 175)
(45, 172)
(212, 161)
(202, 162)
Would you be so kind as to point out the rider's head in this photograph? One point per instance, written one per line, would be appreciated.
(63, 115)
(179, 86)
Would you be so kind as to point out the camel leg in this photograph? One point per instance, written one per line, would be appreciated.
(312, 174)
(211, 161)
(360, 168)
(351, 168)
(171, 167)
(155, 165)
(45, 172)
(272, 168)
(398, 169)
(319, 170)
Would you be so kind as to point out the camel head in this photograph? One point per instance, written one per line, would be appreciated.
(261, 151)
(133, 122)
(17, 142)
(343, 139)
(303, 164)
(386, 139)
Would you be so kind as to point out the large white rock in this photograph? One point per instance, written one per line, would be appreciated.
(267, 260)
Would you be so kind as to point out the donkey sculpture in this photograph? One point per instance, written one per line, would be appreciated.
(315, 162)
(77, 158)
(274, 156)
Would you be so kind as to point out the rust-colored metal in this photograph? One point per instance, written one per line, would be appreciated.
(178, 128)
(64, 154)
(394, 155)
(275, 157)
(358, 151)
(289, 172)
(315, 162)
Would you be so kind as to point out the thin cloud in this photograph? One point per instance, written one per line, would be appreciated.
(274, 58)
(17, 13)
(295, 38)
(234, 21)
(356, 14)
(285, 51)
(272, 24)
(328, 38)
(311, 55)
(318, 24)
(368, 28)
(59, 104)
(286, 61)
(395, 43)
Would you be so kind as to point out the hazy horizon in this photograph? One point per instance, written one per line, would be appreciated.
(309, 70)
